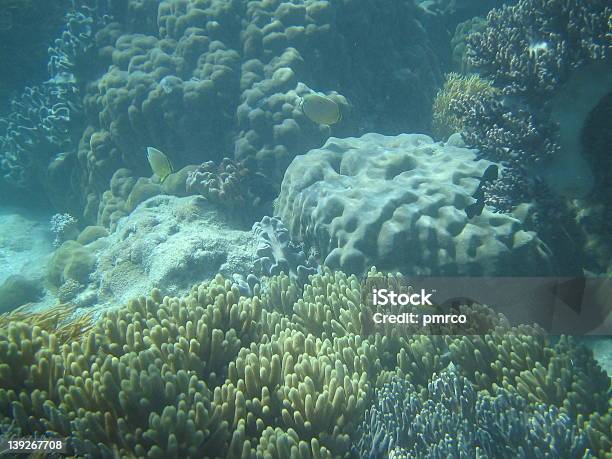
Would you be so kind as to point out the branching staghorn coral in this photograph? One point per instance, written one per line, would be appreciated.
(530, 48)
(513, 136)
(523, 143)
(447, 121)
(517, 139)
(545, 57)
(450, 419)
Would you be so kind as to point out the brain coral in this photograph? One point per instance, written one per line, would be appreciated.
(399, 203)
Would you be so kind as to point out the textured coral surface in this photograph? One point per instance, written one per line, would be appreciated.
(399, 202)
(204, 80)
(283, 375)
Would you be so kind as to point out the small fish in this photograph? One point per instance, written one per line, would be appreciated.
(160, 164)
(479, 194)
(320, 109)
(475, 209)
(490, 174)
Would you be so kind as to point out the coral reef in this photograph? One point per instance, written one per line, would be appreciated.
(517, 139)
(169, 242)
(277, 253)
(524, 144)
(552, 59)
(450, 419)
(211, 326)
(532, 47)
(217, 374)
(316, 388)
(277, 97)
(446, 121)
(291, 49)
(17, 290)
(399, 202)
(177, 74)
(231, 185)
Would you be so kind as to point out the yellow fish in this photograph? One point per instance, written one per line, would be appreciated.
(320, 109)
(160, 164)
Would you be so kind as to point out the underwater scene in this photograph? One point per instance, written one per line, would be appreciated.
(306, 229)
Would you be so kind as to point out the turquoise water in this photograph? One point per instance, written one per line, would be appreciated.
(197, 196)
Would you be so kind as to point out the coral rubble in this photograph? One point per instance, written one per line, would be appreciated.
(168, 242)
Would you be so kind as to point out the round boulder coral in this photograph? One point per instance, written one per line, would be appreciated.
(400, 203)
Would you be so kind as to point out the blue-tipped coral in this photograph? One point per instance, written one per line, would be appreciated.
(450, 419)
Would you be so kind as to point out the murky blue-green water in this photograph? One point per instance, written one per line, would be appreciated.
(305, 228)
